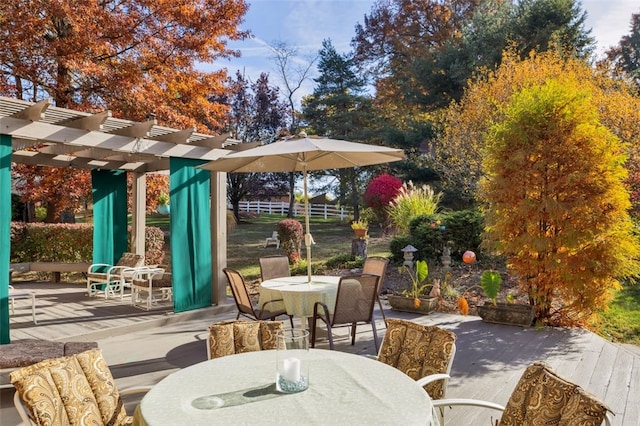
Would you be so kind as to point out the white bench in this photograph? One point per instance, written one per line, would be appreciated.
(23, 294)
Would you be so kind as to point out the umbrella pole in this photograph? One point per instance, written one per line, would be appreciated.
(307, 235)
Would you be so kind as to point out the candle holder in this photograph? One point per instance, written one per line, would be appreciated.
(292, 360)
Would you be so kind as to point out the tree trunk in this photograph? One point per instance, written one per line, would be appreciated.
(292, 195)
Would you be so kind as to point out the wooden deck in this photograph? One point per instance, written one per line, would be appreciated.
(143, 347)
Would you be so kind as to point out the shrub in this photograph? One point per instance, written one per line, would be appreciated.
(291, 234)
(379, 193)
(344, 261)
(63, 242)
(412, 202)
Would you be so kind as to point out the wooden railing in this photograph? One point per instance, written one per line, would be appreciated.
(281, 208)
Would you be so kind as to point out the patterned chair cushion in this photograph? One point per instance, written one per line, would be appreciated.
(233, 337)
(76, 389)
(418, 351)
(542, 397)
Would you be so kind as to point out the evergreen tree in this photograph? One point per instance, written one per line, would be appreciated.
(339, 109)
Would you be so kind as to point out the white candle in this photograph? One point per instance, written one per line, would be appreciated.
(291, 371)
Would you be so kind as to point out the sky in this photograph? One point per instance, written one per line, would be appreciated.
(304, 24)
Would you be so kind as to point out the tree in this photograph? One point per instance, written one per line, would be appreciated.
(556, 204)
(624, 58)
(338, 109)
(133, 57)
(461, 140)
(423, 53)
(256, 114)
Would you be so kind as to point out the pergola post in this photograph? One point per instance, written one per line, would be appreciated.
(138, 216)
(5, 234)
(219, 237)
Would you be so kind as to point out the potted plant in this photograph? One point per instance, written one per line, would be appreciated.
(163, 203)
(360, 227)
(415, 298)
(498, 312)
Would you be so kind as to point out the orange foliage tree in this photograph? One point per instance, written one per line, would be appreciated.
(134, 57)
(556, 202)
(460, 143)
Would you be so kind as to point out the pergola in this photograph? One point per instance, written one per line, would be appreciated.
(40, 134)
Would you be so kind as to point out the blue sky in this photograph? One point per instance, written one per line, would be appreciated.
(304, 24)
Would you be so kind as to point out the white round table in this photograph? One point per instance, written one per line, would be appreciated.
(343, 389)
(299, 295)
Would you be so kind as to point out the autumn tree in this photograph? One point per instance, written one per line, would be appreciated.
(255, 114)
(460, 143)
(133, 57)
(556, 204)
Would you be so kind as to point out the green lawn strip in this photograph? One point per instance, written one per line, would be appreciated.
(621, 322)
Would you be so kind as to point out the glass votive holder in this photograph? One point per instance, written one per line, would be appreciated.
(292, 360)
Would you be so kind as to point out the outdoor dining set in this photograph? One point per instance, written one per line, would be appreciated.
(265, 368)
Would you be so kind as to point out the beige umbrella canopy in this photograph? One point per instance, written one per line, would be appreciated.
(303, 153)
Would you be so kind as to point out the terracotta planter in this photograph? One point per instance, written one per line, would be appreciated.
(405, 304)
(507, 313)
(360, 233)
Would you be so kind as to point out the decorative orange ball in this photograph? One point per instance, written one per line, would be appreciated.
(469, 257)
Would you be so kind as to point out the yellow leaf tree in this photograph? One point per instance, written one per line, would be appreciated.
(460, 142)
(556, 202)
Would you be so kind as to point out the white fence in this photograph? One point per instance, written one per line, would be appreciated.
(281, 208)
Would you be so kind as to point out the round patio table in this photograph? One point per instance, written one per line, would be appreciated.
(343, 389)
(298, 295)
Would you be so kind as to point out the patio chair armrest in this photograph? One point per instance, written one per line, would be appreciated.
(437, 403)
(262, 308)
(324, 308)
(432, 378)
(97, 265)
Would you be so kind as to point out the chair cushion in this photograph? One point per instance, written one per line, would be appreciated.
(542, 397)
(418, 351)
(42, 385)
(233, 337)
(77, 389)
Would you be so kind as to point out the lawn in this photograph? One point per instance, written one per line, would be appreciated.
(245, 244)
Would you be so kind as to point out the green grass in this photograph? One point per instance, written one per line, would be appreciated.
(245, 243)
(621, 322)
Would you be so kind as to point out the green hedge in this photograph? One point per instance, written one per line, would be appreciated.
(65, 242)
(461, 230)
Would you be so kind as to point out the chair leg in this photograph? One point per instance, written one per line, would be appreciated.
(384, 317)
(291, 320)
(313, 331)
(330, 335)
(353, 333)
(375, 335)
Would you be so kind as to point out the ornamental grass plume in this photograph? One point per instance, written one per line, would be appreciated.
(411, 202)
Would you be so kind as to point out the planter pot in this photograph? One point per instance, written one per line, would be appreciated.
(405, 304)
(163, 209)
(360, 233)
(507, 313)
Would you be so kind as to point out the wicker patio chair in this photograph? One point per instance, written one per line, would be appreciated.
(541, 397)
(274, 267)
(112, 279)
(245, 305)
(377, 266)
(77, 389)
(354, 305)
(234, 337)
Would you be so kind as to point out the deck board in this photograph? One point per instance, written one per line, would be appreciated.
(489, 361)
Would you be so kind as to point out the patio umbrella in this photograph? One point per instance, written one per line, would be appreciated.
(303, 153)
